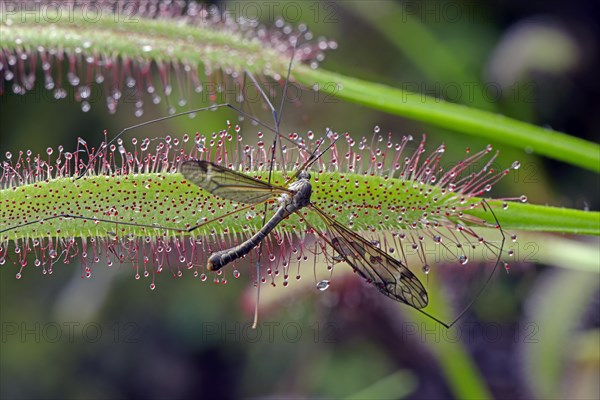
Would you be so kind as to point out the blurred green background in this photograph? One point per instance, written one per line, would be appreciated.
(533, 334)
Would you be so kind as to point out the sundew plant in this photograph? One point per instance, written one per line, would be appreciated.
(121, 200)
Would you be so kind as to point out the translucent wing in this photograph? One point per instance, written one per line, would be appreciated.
(228, 184)
(389, 275)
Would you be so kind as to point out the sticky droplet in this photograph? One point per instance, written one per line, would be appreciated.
(323, 285)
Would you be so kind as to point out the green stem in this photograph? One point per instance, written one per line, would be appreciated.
(532, 217)
(372, 194)
(471, 121)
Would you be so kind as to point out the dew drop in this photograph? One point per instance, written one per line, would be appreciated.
(426, 269)
(516, 165)
(523, 199)
(18, 276)
(203, 277)
(236, 273)
(323, 285)
(463, 259)
(152, 286)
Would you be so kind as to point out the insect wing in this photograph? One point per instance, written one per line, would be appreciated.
(228, 184)
(389, 275)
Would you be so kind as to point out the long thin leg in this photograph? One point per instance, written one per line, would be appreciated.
(277, 120)
(228, 214)
(41, 220)
(274, 147)
(366, 245)
(134, 224)
(152, 121)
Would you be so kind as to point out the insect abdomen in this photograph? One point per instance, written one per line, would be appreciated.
(221, 258)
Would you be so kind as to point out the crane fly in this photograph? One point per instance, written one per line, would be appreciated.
(390, 276)
(387, 274)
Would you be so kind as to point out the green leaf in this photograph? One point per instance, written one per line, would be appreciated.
(166, 41)
(125, 200)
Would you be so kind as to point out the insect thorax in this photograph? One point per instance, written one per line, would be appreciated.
(303, 191)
